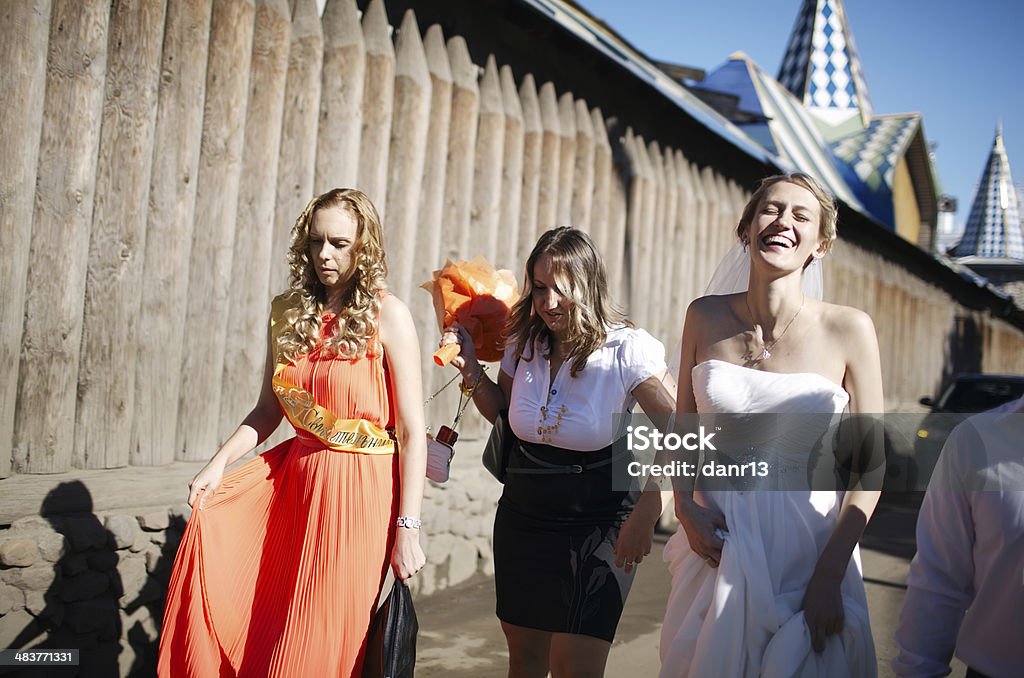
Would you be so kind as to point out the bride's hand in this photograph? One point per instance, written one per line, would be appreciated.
(823, 608)
(701, 526)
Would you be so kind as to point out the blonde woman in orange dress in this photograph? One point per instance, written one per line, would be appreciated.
(284, 557)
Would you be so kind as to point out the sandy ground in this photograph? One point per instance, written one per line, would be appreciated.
(460, 636)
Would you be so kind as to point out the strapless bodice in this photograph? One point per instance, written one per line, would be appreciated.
(783, 422)
(719, 386)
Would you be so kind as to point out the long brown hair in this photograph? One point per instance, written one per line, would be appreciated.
(357, 321)
(580, 275)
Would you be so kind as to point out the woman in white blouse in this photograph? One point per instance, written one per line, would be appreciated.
(565, 542)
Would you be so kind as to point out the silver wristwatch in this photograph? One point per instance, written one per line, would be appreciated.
(406, 521)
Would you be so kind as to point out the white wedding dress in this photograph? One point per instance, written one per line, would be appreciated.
(744, 618)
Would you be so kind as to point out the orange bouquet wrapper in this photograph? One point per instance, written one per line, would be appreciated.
(478, 297)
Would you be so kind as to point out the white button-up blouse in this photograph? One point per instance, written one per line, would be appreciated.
(578, 413)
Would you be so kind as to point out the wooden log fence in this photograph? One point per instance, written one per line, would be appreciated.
(210, 264)
(511, 173)
(245, 351)
(159, 153)
(161, 331)
(44, 423)
(106, 373)
(23, 49)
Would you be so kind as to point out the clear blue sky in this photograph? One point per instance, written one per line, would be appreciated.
(957, 62)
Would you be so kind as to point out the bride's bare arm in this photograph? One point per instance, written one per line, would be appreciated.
(698, 522)
(863, 381)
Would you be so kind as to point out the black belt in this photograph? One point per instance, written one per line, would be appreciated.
(547, 468)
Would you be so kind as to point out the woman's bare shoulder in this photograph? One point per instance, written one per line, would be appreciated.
(395, 318)
(713, 305)
(845, 319)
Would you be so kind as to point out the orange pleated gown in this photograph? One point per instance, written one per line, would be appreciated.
(279, 573)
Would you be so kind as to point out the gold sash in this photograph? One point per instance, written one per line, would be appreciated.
(343, 435)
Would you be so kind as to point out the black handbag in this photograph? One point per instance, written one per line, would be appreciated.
(391, 642)
(499, 447)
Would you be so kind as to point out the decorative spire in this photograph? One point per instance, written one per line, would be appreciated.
(821, 66)
(994, 226)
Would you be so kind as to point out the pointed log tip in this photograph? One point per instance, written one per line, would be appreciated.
(376, 30)
(548, 97)
(509, 93)
(410, 55)
(584, 125)
(437, 54)
(464, 71)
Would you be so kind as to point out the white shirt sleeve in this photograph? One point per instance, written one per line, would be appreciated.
(508, 360)
(940, 582)
(642, 357)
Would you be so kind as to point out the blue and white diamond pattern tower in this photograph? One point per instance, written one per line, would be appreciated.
(994, 227)
(821, 66)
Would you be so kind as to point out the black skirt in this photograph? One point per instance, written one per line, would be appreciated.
(554, 543)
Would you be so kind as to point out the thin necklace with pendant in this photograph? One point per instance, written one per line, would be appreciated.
(767, 346)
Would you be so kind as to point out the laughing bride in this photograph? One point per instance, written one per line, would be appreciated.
(765, 582)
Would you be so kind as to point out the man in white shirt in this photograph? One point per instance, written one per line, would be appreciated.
(965, 589)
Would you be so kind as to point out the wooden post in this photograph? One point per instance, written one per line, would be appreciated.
(655, 289)
(710, 236)
(210, 274)
(106, 373)
(583, 170)
(430, 228)
(58, 255)
(341, 98)
(408, 151)
(378, 100)
(567, 158)
(550, 157)
(24, 31)
(635, 231)
(683, 262)
(172, 197)
(249, 292)
(458, 190)
(533, 140)
(615, 241)
(487, 166)
(701, 273)
(512, 175)
(643, 245)
(296, 163)
(670, 252)
(602, 184)
(725, 217)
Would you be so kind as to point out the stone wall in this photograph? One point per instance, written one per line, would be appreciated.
(90, 582)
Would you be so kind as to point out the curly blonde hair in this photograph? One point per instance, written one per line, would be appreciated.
(580, 275)
(357, 322)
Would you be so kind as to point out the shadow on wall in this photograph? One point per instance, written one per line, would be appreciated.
(965, 350)
(106, 586)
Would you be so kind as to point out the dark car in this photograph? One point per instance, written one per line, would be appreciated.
(968, 394)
